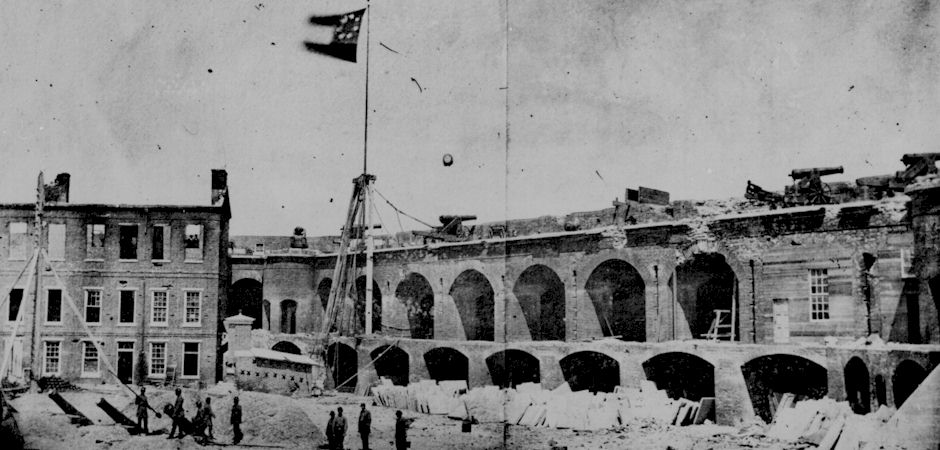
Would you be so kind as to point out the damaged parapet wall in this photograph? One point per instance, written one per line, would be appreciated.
(925, 222)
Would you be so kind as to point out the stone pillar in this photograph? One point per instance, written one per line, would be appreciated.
(733, 404)
(238, 328)
(924, 210)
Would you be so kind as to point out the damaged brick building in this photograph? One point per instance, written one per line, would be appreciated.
(611, 297)
(146, 280)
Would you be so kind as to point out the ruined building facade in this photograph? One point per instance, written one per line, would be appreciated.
(147, 282)
(616, 302)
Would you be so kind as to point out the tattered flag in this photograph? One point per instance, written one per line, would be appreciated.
(337, 35)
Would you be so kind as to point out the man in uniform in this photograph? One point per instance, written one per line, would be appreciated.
(236, 420)
(177, 415)
(339, 429)
(365, 425)
(142, 413)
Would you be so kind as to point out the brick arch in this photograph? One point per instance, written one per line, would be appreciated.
(618, 292)
(540, 293)
(591, 370)
(475, 297)
(681, 374)
(416, 294)
(769, 376)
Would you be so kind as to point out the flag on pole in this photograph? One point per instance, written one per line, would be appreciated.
(337, 35)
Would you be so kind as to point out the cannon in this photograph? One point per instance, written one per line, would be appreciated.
(451, 229)
(759, 194)
(917, 164)
(808, 187)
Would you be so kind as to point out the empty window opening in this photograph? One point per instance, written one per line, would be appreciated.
(192, 242)
(681, 375)
(769, 377)
(190, 359)
(16, 299)
(509, 368)
(474, 298)
(158, 240)
(288, 316)
(857, 386)
(54, 305)
(57, 242)
(592, 371)
(94, 241)
(286, 347)
(361, 305)
(323, 291)
(19, 240)
(907, 376)
(445, 363)
(127, 241)
(344, 364)
(881, 390)
(415, 293)
(391, 362)
(541, 295)
(266, 314)
(245, 298)
(128, 300)
(618, 294)
(706, 285)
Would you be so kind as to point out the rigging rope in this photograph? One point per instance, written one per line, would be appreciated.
(402, 212)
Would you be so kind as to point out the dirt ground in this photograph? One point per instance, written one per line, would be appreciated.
(272, 421)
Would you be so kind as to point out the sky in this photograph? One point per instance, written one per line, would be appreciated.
(139, 100)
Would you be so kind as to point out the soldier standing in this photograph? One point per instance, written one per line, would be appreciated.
(365, 425)
(177, 416)
(236, 420)
(339, 429)
(142, 413)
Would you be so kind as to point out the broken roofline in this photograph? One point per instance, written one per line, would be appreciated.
(600, 230)
(102, 207)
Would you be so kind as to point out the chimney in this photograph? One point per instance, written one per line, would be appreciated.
(58, 191)
(219, 186)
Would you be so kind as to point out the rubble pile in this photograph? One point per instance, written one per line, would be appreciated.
(528, 404)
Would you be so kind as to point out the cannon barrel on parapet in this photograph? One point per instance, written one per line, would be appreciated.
(797, 174)
(448, 219)
(911, 158)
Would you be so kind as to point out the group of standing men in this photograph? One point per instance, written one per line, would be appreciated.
(200, 426)
(336, 429)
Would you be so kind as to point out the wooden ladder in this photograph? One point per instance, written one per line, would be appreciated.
(722, 328)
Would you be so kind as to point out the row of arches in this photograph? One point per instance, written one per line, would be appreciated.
(617, 291)
(858, 385)
(680, 374)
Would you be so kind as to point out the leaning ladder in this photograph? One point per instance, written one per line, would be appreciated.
(722, 327)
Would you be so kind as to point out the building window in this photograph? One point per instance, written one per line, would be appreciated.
(57, 241)
(192, 307)
(128, 299)
(50, 357)
(89, 360)
(159, 305)
(819, 294)
(907, 264)
(16, 299)
(157, 359)
(18, 241)
(93, 306)
(94, 241)
(191, 359)
(158, 244)
(127, 242)
(54, 306)
(193, 242)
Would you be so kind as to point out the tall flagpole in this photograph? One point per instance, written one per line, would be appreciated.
(367, 188)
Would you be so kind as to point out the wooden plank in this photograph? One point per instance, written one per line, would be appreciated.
(654, 196)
